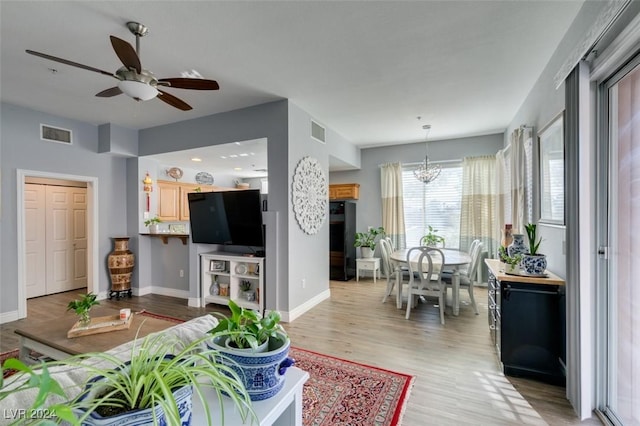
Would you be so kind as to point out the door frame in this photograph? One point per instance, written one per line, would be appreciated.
(93, 278)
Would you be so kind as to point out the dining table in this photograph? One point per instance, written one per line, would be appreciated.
(453, 260)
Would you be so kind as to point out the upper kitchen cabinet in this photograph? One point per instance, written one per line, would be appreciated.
(344, 191)
(173, 204)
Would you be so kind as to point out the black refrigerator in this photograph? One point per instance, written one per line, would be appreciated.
(342, 229)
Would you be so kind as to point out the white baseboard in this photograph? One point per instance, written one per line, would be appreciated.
(9, 316)
(306, 306)
(194, 302)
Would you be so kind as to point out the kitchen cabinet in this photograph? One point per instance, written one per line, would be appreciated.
(344, 191)
(223, 273)
(173, 204)
(526, 324)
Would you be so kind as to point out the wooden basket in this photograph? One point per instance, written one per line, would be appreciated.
(100, 325)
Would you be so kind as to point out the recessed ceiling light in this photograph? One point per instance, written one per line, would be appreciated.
(223, 157)
(244, 154)
(238, 143)
(233, 156)
(196, 159)
(237, 169)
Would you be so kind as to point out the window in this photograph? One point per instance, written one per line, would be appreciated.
(436, 204)
(551, 143)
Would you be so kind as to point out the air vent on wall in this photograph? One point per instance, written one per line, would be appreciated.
(317, 132)
(55, 134)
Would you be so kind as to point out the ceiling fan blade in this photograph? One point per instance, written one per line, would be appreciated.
(189, 83)
(126, 53)
(113, 91)
(66, 62)
(173, 101)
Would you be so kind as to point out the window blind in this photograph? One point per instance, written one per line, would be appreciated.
(436, 204)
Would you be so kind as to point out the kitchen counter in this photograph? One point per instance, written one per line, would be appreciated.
(496, 270)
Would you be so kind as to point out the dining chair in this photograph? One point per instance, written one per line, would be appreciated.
(425, 277)
(389, 268)
(391, 243)
(468, 275)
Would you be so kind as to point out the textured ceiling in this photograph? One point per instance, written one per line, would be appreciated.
(366, 69)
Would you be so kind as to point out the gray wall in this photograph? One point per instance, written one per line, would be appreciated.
(22, 149)
(369, 206)
(262, 121)
(542, 104)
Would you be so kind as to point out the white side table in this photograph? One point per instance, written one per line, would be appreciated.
(368, 264)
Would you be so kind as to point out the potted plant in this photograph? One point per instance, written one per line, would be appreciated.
(367, 240)
(533, 263)
(152, 224)
(431, 239)
(259, 346)
(154, 386)
(245, 287)
(82, 307)
(511, 263)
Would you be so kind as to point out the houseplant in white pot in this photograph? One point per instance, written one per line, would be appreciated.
(533, 263)
(152, 224)
(367, 240)
(258, 347)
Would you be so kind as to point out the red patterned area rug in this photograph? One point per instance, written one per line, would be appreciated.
(338, 392)
(342, 392)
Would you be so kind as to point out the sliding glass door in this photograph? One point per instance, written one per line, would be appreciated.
(619, 220)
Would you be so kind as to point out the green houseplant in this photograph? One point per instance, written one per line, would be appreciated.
(154, 386)
(82, 307)
(247, 329)
(533, 262)
(512, 263)
(432, 239)
(367, 240)
(152, 224)
(259, 347)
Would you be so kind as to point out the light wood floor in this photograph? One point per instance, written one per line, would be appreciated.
(458, 379)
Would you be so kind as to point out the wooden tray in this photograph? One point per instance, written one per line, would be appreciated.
(100, 325)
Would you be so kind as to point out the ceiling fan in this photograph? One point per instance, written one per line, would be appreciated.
(135, 81)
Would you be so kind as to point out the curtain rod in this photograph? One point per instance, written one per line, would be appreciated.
(420, 162)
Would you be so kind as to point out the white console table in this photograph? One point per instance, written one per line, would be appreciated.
(284, 409)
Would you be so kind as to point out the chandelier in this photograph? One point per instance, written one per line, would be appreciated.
(427, 173)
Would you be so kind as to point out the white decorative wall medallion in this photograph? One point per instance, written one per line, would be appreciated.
(309, 195)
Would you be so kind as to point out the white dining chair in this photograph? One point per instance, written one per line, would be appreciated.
(425, 279)
(389, 268)
(468, 275)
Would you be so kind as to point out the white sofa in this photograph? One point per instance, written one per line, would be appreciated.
(73, 379)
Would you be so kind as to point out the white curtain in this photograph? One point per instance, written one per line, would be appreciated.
(503, 199)
(519, 180)
(392, 203)
(480, 196)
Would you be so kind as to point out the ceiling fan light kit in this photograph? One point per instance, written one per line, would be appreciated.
(138, 90)
(134, 81)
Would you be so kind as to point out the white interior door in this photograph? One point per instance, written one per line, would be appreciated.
(35, 217)
(66, 238)
(56, 238)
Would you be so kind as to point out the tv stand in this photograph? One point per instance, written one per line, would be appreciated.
(229, 270)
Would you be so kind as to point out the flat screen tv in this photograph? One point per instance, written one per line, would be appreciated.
(226, 217)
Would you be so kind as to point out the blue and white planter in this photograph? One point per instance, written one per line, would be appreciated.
(143, 416)
(534, 264)
(261, 372)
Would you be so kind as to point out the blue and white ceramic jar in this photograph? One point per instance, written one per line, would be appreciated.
(534, 264)
(517, 246)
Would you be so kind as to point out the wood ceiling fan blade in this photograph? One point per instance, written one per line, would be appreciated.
(126, 53)
(173, 101)
(189, 83)
(113, 91)
(67, 62)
